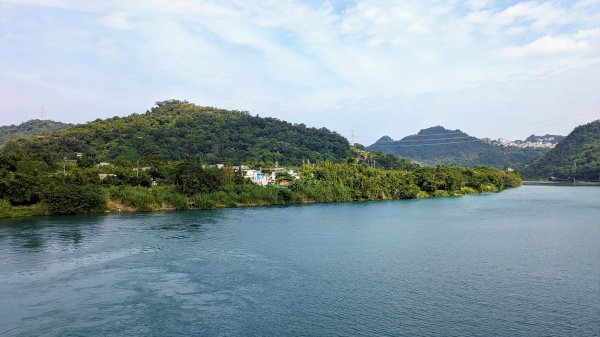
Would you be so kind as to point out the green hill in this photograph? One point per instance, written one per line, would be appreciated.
(30, 128)
(438, 145)
(176, 130)
(577, 155)
(158, 161)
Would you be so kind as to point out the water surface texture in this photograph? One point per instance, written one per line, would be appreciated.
(524, 262)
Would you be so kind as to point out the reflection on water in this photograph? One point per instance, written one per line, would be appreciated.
(37, 234)
(73, 236)
(30, 240)
(522, 262)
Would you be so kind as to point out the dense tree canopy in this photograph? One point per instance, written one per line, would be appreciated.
(175, 130)
(162, 160)
(578, 155)
(34, 127)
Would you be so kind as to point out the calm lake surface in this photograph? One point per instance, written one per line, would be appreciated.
(524, 262)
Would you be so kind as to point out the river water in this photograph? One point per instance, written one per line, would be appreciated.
(524, 262)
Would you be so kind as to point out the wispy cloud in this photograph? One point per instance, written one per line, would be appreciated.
(298, 60)
(118, 21)
(549, 45)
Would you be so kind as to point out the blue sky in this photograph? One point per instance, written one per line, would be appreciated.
(490, 68)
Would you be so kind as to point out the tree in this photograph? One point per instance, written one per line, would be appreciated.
(73, 199)
(192, 177)
(20, 189)
(85, 161)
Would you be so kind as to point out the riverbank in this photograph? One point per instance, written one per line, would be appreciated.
(208, 202)
(195, 187)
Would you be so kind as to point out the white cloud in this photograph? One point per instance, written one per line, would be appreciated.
(297, 58)
(587, 34)
(91, 6)
(118, 21)
(181, 7)
(478, 4)
(547, 45)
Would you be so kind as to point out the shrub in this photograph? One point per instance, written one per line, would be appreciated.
(488, 188)
(422, 194)
(467, 190)
(440, 193)
(73, 199)
(179, 201)
(220, 197)
(41, 209)
(135, 196)
(285, 195)
(5, 209)
(170, 195)
(202, 201)
(408, 191)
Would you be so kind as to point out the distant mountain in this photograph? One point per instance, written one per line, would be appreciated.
(176, 130)
(438, 145)
(533, 141)
(551, 139)
(577, 155)
(34, 127)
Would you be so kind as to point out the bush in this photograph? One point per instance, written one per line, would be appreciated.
(74, 199)
(220, 197)
(41, 209)
(288, 196)
(285, 195)
(488, 188)
(440, 193)
(5, 209)
(179, 201)
(408, 191)
(422, 194)
(202, 201)
(134, 196)
(467, 190)
(169, 194)
(22, 189)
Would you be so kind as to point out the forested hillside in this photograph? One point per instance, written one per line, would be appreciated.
(438, 145)
(176, 130)
(160, 160)
(34, 127)
(578, 155)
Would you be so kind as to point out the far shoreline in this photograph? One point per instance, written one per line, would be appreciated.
(560, 183)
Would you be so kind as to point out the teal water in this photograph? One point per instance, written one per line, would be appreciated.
(524, 262)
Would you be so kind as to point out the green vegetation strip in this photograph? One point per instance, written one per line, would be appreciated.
(192, 184)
